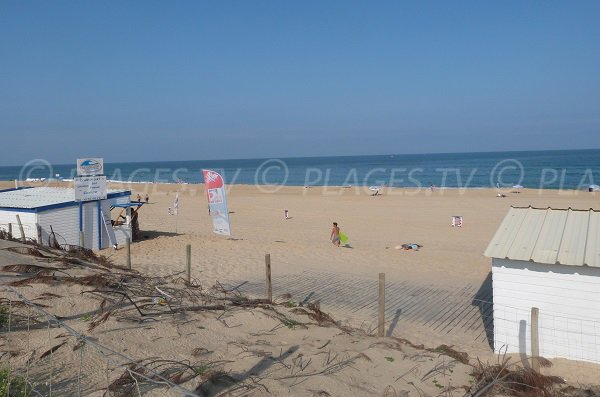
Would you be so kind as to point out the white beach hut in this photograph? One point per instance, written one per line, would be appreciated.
(44, 210)
(548, 259)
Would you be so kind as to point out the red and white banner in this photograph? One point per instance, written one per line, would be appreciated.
(217, 202)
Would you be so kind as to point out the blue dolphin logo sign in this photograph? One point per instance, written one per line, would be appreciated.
(90, 166)
(90, 163)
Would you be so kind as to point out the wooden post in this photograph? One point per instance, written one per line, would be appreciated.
(381, 323)
(188, 263)
(128, 252)
(268, 271)
(10, 234)
(39, 233)
(535, 341)
(21, 228)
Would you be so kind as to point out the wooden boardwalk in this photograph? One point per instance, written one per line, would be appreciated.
(462, 313)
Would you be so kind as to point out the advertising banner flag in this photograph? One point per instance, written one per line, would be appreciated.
(217, 202)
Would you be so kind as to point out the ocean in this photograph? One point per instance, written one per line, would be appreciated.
(563, 169)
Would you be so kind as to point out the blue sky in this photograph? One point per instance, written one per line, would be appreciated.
(157, 80)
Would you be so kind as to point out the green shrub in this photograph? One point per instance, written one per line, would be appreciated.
(3, 319)
(291, 303)
(201, 369)
(18, 386)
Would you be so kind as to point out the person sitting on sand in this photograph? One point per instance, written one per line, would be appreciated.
(335, 234)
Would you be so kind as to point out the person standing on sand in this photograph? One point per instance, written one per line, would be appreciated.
(139, 198)
(335, 234)
(147, 198)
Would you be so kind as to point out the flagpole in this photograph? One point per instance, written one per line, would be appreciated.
(176, 211)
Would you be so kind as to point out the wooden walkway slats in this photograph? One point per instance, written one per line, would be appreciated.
(443, 311)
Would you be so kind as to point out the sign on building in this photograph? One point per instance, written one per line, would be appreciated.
(89, 188)
(90, 166)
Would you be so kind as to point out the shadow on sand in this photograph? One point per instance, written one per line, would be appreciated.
(150, 235)
(483, 299)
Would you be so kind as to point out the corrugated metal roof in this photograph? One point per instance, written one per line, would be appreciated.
(30, 198)
(548, 235)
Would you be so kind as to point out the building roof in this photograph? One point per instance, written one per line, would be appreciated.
(548, 235)
(40, 197)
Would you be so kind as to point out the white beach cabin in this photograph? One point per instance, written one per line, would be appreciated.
(549, 259)
(46, 209)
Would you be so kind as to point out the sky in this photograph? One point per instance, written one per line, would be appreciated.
(185, 80)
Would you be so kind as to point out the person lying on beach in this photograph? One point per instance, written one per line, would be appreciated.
(411, 246)
(335, 234)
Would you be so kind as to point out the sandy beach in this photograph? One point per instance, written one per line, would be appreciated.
(375, 226)
(451, 258)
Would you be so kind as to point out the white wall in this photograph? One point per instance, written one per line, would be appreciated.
(122, 232)
(90, 224)
(64, 222)
(568, 298)
(28, 219)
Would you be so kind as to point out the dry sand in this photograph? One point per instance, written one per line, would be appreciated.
(375, 225)
(259, 350)
(450, 257)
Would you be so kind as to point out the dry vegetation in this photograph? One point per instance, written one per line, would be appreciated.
(217, 342)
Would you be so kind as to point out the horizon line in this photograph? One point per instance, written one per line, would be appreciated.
(314, 157)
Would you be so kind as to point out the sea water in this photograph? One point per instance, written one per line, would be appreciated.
(564, 169)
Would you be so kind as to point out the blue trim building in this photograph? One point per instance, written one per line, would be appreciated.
(50, 211)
